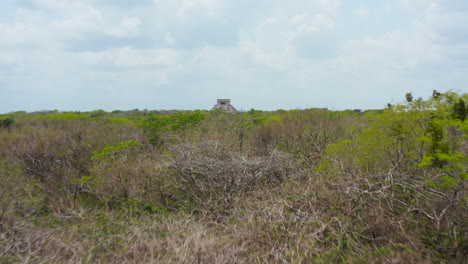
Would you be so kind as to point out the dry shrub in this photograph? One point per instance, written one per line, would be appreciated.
(395, 196)
(213, 174)
(393, 204)
(135, 174)
(368, 202)
(11, 192)
(57, 153)
(28, 244)
(307, 222)
(53, 158)
(305, 133)
(50, 156)
(267, 137)
(143, 240)
(228, 129)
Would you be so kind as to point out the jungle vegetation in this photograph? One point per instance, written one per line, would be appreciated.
(296, 186)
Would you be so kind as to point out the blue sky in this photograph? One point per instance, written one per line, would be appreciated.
(263, 54)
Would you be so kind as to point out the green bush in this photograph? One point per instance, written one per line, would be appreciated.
(155, 125)
(7, 122)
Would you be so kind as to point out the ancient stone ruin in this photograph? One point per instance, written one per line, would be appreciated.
(225, 104)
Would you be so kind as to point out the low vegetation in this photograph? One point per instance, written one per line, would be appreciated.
(298, 186)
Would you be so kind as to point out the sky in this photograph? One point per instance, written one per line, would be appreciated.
(82, 55)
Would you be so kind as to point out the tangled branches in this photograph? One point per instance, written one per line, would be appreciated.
(213, 174)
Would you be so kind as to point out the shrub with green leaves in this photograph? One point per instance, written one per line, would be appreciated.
(414, 157)
(155, 125)
(113, 149)
(7, 122)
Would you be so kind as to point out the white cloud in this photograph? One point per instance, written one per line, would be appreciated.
(128, 57)
(306, 23)
(129, 26)
(62, 6)
(8, 61)
(362, 12)
(393, 51)
(240, 49)
(415, 4)
(89, 20)
(187, 6)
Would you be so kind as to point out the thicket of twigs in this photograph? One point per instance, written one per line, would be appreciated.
(300, 186)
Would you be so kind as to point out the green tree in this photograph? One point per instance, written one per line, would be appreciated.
(409, 97)
(459, 110)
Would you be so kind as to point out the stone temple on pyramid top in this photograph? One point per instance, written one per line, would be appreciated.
(225, 104)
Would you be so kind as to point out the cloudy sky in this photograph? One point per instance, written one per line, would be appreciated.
(263, 54)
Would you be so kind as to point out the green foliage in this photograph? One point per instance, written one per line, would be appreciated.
(254, 112)
(136, 208)
(445, 246)
(97, 113)
(389, 139)
(409, 97)
(412, 135)
(445, 137)
(119, 119)
(85, 180)
(264, 119)
(419, 145)
(460, 110)
(64, 116)
(7, 122)
(116, 148)
(155, 125)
